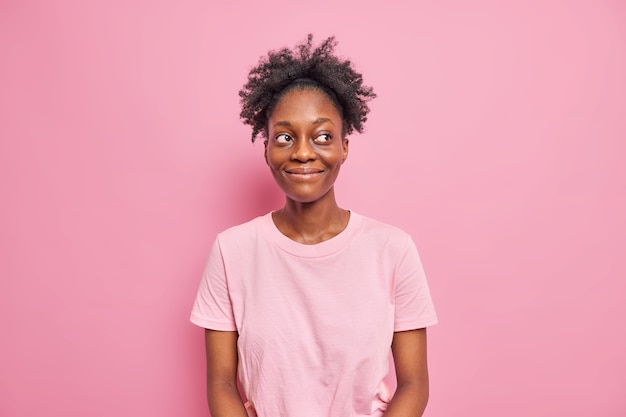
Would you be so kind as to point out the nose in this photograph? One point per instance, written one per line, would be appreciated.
(303, 151)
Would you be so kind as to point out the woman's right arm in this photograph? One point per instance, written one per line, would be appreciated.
(221, 360)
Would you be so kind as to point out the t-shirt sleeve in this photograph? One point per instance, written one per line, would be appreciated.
(413, 304)
(212, 308)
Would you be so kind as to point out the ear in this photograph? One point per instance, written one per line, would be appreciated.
(345, 142)
(265, 151)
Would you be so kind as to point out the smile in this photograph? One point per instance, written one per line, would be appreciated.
(303, 174)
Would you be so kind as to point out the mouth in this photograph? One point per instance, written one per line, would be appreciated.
(303, 174)
(303, 171)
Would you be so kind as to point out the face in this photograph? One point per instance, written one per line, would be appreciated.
(304, 147)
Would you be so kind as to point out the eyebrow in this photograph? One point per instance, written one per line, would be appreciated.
(317, 121)
(322, 120)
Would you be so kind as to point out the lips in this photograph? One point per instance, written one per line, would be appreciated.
(304, 171)
(303, 174)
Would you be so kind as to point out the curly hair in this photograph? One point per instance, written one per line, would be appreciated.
(304, 67)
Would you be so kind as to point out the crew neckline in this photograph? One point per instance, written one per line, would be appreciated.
(317, 250)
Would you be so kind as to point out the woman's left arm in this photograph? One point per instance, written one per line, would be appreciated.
(409, 355)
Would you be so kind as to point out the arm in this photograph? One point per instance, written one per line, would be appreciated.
(409, 355)
(222, 359)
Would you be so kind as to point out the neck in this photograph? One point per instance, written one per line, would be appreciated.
(311, 223)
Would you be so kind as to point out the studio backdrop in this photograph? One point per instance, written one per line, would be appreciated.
(497, 140)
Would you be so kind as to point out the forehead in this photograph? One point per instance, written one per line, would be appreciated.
(304, 103)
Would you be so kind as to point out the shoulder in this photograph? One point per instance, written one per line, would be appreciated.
(378, 230)
(243, 233)
(383, 238)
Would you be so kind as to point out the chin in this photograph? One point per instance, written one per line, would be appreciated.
(306, 194)
(306, 198)
(303, 199)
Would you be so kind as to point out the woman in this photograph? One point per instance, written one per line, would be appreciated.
(303, 304)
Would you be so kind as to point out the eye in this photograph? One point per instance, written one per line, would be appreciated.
(323, 138)
(283, 138)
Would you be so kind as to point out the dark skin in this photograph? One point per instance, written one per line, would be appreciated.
(222, 360)
(305, 151)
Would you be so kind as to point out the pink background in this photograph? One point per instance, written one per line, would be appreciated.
(498, 141)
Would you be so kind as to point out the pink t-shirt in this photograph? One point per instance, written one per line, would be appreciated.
(315, 322)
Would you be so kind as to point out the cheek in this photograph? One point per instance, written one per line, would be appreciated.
(334, 156)
(272, 158)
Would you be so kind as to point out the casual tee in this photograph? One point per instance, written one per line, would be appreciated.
(315, 322)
